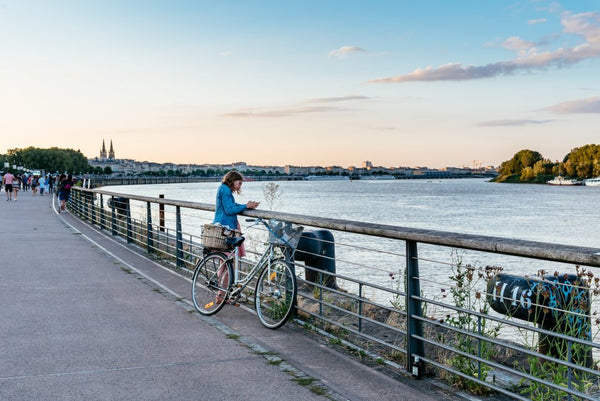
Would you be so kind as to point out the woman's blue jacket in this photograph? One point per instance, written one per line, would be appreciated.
(226, 209)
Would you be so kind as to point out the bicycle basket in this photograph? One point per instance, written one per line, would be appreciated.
(213, 236)
(282, 233)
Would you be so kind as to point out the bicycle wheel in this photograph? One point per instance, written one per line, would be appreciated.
(275, 294)
(210, 283)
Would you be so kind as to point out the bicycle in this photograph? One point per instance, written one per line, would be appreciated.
(216, 280)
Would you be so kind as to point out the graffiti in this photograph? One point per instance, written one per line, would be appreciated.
(554, 302)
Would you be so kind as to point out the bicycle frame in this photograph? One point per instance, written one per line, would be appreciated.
(241, 284)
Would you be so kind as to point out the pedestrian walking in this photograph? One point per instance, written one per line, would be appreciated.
(16, 185)
(42, 185)
(7, 180)
(34, 185)
(64, 190)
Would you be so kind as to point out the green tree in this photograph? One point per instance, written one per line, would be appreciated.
(522, 159)
(582, 162)
(53, 159)
(108, 170)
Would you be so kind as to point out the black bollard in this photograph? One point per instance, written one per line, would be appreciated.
(317, 250)
(120, 204)
(559, 303)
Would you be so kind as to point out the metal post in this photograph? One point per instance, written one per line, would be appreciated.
(179, 236)
(360, 306)
(86, 202)
(149, 239)
(92, 199)
(413, 307)
(161, 214)
(113, 225)
(102, 212)
(129, 230)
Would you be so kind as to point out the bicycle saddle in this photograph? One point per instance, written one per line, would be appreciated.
(234, 241)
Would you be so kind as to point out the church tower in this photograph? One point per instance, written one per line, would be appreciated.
(111, 152)
(103, 151)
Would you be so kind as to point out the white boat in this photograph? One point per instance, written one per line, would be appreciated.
(560, 180)
(592, 182)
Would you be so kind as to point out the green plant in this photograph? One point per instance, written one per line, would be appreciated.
(272, 194)
(468, 295)
(397, 284)
(573, 319)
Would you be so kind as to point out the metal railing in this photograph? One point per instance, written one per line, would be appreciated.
(415, 300)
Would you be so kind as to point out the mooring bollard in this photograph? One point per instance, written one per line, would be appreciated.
(557, 303)
(317, 249)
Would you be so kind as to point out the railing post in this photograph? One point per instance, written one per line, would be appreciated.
(178, 236)
(413, 308)
(102, 213)
(149, 239)
(360, 306)
(92, 199)
(86, 202)
(129, 230)
(113, 220)
(161, 214)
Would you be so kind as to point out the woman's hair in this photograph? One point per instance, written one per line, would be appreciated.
(230, 178)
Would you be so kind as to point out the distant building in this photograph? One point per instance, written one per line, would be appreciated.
(111, 152)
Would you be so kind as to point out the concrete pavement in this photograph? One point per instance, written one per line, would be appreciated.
(84, 316)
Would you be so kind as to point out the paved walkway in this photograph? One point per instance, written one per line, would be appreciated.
(85, 317)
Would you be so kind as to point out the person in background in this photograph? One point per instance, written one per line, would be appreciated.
(16, 186)
(34, 184)
(24, 182)
(64, 191)
(42, 185)
(51, 180)
(7, 180)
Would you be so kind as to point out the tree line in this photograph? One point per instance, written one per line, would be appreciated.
(530, 166)
(51, 160)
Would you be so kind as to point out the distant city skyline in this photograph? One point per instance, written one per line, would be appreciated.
(397, 83)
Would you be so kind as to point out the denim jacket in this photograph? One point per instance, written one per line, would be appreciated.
(226, 209)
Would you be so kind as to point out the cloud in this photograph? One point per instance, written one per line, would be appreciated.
(225, 54)
(537, 21)
(585, 25)
(512, 123)
(589, 105)
(283, 112)
(345, 51)
(337, 99)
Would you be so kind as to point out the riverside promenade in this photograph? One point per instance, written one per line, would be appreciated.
(84, 316)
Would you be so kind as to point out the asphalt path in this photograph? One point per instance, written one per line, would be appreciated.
(84, 316)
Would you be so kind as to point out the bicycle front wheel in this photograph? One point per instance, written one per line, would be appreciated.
(210, 283)
(275, 294)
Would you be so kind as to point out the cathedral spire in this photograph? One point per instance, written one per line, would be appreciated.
(103, 151)
(111, 152)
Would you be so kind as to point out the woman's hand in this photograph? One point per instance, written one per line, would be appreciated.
(252, 205)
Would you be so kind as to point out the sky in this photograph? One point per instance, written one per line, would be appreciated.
(398, 83)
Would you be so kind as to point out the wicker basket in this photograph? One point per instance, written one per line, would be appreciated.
(213, 236)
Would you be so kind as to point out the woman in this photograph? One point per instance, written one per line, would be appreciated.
(16, 185)
(226, 212)
(64, 190)
(226, 208)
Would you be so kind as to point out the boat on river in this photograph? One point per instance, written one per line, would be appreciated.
(592, 182)
(560, 180)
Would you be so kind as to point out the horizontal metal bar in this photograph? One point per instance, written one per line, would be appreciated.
(530, 249)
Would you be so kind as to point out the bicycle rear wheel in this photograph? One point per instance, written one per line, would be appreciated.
(210, 283)
(275, 294)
